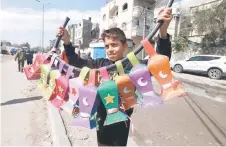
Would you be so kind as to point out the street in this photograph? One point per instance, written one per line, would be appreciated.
(23, 111)
(187, 121)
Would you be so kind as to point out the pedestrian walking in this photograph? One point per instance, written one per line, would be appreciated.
(20, 57)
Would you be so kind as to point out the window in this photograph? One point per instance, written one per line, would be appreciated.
(80, 24)
(116, 13)
(147, 27)
(104, 17)
(194, 58)
(125, 7)
(124, 26)
(208, 58)
(137, 22)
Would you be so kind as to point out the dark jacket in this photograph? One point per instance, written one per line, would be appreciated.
(116, 134)
(29, 56)
(163, 47)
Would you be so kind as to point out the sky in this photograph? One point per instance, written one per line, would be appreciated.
(21, 20)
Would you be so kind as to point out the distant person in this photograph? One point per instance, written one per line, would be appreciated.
(21, 56)
(89, 56)
(29, 57)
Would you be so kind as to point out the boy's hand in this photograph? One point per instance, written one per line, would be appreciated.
(61, 31)
(165, 14)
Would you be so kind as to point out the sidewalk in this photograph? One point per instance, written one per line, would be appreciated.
(203, 86)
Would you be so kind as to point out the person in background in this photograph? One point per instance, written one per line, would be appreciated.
(20, 57)
(89, 56)
(29, 57)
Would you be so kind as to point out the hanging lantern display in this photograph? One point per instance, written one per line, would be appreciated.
(159, 66)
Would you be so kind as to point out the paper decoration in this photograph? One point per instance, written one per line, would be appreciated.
(141, 78)
(61, 88)
(126, 88)
(32, 72)
(87, 98)
(159, 66)
(108, 93)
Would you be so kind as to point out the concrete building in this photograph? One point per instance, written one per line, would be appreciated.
(174, 26)
(193, 34)
(83, 33)
(129, 15)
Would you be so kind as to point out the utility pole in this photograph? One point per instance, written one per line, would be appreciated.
(43, 11)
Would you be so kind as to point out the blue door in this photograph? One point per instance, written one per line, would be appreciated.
(98, 52)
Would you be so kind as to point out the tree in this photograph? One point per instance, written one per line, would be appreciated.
(211, 23)
(180, 44)
(25, 45)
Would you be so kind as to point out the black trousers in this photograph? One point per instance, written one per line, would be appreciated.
(112, 135)
(29, 62)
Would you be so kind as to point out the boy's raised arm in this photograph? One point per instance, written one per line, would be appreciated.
(164, 46)
(75, 60)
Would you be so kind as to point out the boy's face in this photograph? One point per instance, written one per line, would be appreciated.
(114, 48)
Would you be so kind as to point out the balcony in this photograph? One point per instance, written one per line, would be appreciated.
(138, 31)
(113, 22)
(112, 5)
(138, 11)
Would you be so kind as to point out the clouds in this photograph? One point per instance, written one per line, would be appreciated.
(24, 24)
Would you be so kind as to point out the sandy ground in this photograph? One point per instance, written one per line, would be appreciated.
(24, 117)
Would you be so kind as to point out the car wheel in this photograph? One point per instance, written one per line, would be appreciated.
(215, 73)
(178, 68)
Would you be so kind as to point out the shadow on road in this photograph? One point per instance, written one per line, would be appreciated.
(208, 116)
(21, 100)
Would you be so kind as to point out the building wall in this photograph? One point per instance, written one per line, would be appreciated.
(81, 33)
(194, 35)
(131, 20)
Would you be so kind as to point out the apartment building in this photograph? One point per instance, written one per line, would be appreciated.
(193, 34)
(83, 33)
(134, 17)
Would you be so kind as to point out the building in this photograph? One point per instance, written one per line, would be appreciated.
(193, 35)
(134, 17)
(83, 33)
(174, 26)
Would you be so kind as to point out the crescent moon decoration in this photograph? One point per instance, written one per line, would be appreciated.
(162, 75)
(84, 101)
(125, 90)
(141, 82)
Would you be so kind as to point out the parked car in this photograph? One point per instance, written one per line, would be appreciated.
(212, 65)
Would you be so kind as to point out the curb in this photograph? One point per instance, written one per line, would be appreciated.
(213, 92)
(59, 134)
(58, 131)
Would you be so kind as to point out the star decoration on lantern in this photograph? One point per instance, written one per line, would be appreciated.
(109, 99)
(60, 89)
(73, 91)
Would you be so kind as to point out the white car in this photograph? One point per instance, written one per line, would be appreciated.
(212, 65)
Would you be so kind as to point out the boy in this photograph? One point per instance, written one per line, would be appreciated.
(115, 45)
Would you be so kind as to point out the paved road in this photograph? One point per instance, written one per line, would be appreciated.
(184, 121)
(23, 111)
